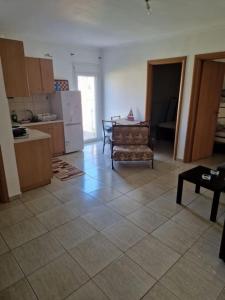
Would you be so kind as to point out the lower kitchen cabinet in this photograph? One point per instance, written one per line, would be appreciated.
(56, 131)
(33, 163)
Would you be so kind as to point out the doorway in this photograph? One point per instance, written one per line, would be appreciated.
(165, 78)
(87, 86)
(207, 86)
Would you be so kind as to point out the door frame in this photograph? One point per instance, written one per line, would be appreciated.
(149, 91)
(194, 100)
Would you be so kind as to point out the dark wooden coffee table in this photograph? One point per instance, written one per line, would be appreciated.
(216, 184)
(222, 246)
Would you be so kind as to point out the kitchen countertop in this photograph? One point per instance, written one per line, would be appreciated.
(33, 135)
(40, 123)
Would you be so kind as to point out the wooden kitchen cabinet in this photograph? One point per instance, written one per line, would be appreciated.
(34, 75)
(40, 75)
(33, 163)
(47, 75)
(14, 68)
(56, 131)
(58, 140)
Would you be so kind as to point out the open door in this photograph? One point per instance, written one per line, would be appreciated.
(208, 105)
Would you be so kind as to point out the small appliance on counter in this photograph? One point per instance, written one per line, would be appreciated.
(19, 132)
(47, 117)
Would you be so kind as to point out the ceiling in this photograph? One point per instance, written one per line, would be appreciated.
(104, 23)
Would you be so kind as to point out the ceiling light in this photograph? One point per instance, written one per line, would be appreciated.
(148, 6)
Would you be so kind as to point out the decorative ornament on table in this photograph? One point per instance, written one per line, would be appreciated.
(130, 116)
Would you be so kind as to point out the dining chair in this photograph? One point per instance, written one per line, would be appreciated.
(107, 132)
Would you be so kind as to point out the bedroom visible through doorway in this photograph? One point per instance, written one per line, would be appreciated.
(164, 94)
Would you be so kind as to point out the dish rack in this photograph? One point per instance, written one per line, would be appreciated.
(47, 117)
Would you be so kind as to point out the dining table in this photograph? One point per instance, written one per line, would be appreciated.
(124, 121)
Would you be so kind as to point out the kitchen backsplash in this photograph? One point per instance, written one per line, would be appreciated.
(38, 104)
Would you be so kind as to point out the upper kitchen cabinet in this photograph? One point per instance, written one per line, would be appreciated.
(47, 75)
(34, 75)
(40, 75)
(14, 68)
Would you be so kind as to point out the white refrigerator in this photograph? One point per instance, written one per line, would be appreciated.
(67, 106)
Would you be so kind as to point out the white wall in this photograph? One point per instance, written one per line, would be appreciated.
(125, 69)
(6, 142)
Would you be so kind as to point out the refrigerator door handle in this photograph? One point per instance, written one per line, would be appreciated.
(72, 124)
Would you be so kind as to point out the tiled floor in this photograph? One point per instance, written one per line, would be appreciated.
(112, 235)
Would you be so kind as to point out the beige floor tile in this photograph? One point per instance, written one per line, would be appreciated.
(70, 193)
(165, 206)
(124, 234)
(156, 189)
(42, 204)
(193, 222)
(206, 255)
(123, 279)
(13, 215)
(102, 217)
(141, 196)
(3, 246)
(213, 234)
(37, 253)
(73, 233)
(34, 194)
(147, 219)
(153, 256)
(9, 270)
(57, 216)
(188, 281)
(82, 207)
(175, 236)
(95, 253)
(88, 185)
(106, 194)
(58, 279)
(222, 295)
(56, 185)
(125, 187)
(159, 292)
(21, 290)
(89, 291)
(22, 232)
(12, 203)
(188, 195)
(202, 206)
(124, 205)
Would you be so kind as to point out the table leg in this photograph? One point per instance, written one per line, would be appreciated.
(222, 246)
(179, 190)
(197, 189)
(215, 204)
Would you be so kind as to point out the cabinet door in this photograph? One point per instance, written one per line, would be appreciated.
(34, 75)
(14, 68)
(47, 129)
(58, 140)
(47, 75)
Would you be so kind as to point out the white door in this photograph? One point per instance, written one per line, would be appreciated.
(87, 87)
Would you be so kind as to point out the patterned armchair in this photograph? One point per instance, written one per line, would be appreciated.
(131, 143)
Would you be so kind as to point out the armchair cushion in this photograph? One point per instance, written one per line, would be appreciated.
(132, 153)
